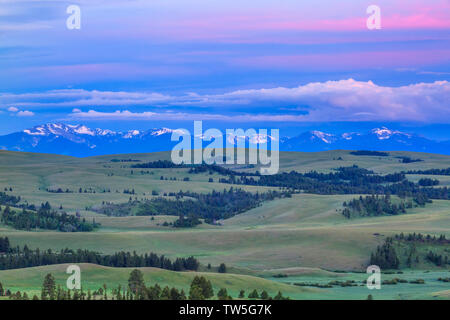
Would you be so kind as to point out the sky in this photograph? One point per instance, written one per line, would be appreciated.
(283, 64)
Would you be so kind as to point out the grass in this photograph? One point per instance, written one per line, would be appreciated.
(305, 232)
(431, 289)
(93, 277)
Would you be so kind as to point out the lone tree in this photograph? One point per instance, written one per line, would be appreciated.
(264, 295)
(204, 286)
(253, 295)
(222, 268)
(223, 294)
(196, 293)
(136, 281)
(48, 288)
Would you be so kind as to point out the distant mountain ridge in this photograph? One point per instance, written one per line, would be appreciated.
(81, 141)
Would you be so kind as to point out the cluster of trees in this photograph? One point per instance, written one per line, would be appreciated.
(346, 180)
(159, 164)
(91, 190)
(45, 218)
(59, 190)
(191, 206)
(436, 172)
(373, 205)
(438, 259)
(193, 168)
(369, 153)
(385, 256)
(187, 222)
(356, 177)
(219, 169)
(427, 182)
(409, 246)
(24, 258)
(124, 160)
(8, 200)
(418, 237)
(200, 289)
(4, 245)
(409, 160)
(80, 190)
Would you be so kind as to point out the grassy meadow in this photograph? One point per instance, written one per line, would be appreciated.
(304, 236)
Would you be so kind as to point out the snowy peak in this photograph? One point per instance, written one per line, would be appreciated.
(350, 135)
(130, 134)
(65, 130)
(384, 133)
(84, 130)
(159, 132)
(60, 129)
(325, 137)
(80, 140)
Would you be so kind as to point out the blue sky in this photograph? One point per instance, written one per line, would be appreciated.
(287, 64)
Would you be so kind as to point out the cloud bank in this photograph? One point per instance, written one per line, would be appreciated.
(343, 100)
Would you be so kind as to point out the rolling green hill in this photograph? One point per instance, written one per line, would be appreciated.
(305, 231)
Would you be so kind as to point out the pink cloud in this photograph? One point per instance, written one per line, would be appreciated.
(260, 28)
(342, 61)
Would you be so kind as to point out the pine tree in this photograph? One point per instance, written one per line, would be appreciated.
(136, 281)
(253, 295)
(204, 285)
(222, 294)
(48, 288)
(265, 295)
(196, 293)
(222, 268)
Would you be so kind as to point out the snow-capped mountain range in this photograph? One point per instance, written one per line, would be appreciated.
(380, 139)
(79, 140)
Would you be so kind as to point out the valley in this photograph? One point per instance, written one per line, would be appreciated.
(304, 237)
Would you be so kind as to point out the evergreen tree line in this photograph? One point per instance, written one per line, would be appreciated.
(211, 207)
(194, 168)
(4, 245)
(418, 237)
(8, 200)
(200, 289)
(369, 153)
(427, 182)
(45, 218)
(17, 258)
(438, 259)
(159, 164)
(385, 256)
(376, 205)
(348, 180)
(409, 160)
(437, 172)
